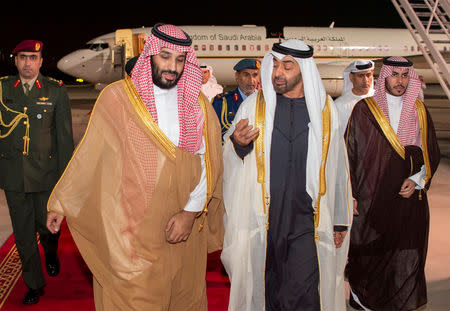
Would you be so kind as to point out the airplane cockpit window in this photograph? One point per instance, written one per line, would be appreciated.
(96, 46)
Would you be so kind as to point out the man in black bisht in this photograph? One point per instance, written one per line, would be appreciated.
(393, 153)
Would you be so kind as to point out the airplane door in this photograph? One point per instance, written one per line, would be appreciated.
(124, 37)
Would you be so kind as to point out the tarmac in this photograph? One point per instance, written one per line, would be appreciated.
(438, 260)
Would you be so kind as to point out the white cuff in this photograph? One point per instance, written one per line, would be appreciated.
(419, 178)
(197, 198)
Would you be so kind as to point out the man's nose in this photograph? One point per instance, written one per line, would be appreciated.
(172, 65)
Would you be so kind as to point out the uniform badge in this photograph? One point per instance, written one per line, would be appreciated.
(236, 96)
(43, 101)
(38, 84)
(37, 47)
(258, 64)
(39, 116)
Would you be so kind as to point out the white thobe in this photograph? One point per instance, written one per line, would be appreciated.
(345, 104)
(166, 102)
(211, 89)
(395, 108)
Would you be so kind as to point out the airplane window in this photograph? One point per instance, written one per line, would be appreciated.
(219, 47)
(244, 47)
(203, 47)
(258, 47)
(195, 47)
(324, 47)
(405, 48)
(96, 46)
(386, 48)
(412, 48)
(228, 47)
(236, 47)
(318, 48)
(267, 47)
(252, 47)
(211, 47)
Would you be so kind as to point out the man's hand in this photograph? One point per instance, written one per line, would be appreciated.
(54, 221)
(243, 133)
(355, 208)
(407, 188)
(179, 227)
(339, 237)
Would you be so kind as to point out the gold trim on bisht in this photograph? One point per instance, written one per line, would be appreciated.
(385, 126)
(326, 136)
(260, 113)
(207, 157)
(146, 117)
(14, 122)
(422, 113)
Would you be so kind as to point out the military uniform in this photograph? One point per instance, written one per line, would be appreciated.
(226, 106)
(36, 144)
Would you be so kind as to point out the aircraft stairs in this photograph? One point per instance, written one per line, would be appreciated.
(425, 17)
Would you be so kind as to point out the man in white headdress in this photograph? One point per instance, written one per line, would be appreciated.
(210, 87)
(358, 84)
(286, 191)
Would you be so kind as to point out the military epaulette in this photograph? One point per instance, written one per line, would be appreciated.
(59, 82)
(222, 94)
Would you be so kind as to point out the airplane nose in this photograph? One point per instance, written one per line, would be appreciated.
(85, 64)
(70, 64)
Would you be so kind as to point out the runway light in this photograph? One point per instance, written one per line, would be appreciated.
(79, 80)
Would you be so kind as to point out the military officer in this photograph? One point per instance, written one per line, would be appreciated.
(36, 144)
(227, 104)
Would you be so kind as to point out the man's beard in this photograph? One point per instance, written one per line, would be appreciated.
(390, 89)
(158, 80)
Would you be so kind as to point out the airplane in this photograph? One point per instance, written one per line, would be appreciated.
(101, 61)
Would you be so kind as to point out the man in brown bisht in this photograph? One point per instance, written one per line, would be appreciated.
(143, 193)
(393, 153)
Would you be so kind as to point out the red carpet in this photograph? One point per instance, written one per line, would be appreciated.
(71, 290)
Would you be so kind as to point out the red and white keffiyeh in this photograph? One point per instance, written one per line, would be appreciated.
(189, 86)
(408, 127)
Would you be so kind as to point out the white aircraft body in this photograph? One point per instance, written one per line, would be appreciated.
(223, 46)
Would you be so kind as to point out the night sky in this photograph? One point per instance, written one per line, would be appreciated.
(66, 27)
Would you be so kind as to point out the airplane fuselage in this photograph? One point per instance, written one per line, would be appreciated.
(223, 46)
